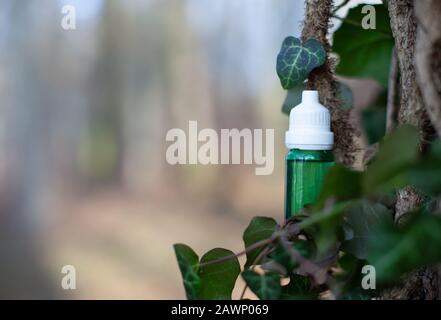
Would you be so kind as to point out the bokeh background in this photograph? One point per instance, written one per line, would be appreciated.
(83, 119)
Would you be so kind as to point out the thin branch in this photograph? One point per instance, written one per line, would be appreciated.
(262, 254)
(392, 105)
(358, 24)
(319, 274)
(341, 5)
(252, 247)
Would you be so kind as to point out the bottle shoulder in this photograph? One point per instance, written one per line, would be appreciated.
(310, 155)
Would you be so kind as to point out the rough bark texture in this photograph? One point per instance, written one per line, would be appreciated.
(428, 57)
(422, 284)
(392, 105)
(419, 285)
(428, 63)
(316, 25)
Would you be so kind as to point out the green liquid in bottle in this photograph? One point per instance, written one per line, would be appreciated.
(305, 173)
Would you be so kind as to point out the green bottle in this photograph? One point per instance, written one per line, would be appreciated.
(309, 140)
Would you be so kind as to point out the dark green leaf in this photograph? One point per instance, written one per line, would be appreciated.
(293, 98)
(426, 174)
(280, 255)
(345, 96)
(364, 218)
(350, 276)
(299, 288)
(295, 61)
(266, 287)
(336, 185)
(217, 280)
(373, 119)
(397, 153)
(358, 294)
(324, 227)
(374, 124)
(395, 251)
(364, 53)
(188, 264)
(260, 228)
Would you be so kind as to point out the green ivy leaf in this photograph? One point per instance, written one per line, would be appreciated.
(324, 227)
(395, 251)
(299, 288)
(364, 218)
(295, 61)
(368, 53)
(188, 264)
(373, 119)
(374, 124)
(218, 280)
(280, 256)
(397, 153)
(345, 96)
(336, 185)
(260, 228)
(425, 175)
(266, 287)
(293, 98)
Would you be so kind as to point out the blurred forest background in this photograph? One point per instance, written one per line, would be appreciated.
(83, 119)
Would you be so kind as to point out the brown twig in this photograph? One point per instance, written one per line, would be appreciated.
(318, 274)
(263, 253)
(254, 246)
(341, 5)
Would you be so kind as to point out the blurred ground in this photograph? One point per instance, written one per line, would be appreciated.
(120, 251)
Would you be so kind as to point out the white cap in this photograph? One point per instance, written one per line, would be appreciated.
(309, 125)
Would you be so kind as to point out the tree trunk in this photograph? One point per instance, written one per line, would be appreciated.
(428, 57)
(316, 25)
(422, 284)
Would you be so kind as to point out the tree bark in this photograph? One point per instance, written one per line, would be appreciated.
(428, 57)
(316, 25)
(422, 284)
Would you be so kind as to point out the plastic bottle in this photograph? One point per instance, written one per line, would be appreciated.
(310, 141)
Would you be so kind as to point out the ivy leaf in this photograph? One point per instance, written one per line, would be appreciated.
(293, 98)
(266, 287)
(368, 53)
(324, 226)
(395, 251)
(350, 276)
(295, 61)
(280, 256)
(188, 264)
(260, 228)
(373, 119)
(397, 153)
(425, 175)
(364, 218)
(218, 280)
(345, 96)
(336, 185)
(299, 288)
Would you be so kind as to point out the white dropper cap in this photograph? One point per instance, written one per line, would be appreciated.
(309, 125)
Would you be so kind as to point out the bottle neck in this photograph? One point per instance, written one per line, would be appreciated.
(310, 155)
